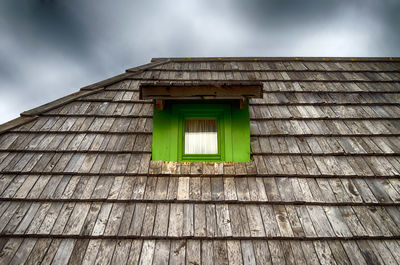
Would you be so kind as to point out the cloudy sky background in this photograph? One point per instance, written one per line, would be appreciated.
(49, 49)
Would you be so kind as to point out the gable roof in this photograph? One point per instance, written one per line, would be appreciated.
(77, 183)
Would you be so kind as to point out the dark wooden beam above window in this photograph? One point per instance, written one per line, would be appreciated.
(201, 90)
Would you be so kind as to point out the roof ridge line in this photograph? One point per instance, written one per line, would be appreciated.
(143, 67)
(309, 59)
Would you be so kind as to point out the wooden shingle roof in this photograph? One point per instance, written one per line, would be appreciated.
(77, 184)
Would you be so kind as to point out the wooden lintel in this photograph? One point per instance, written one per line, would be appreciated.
(158, 91)
(160, 103)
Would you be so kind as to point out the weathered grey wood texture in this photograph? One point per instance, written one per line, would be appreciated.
(77, 184)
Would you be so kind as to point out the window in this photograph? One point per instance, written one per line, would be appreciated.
(199, 131)
(201, 136)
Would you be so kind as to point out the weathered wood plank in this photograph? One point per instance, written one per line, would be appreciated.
(178, 252)
(217, 189)
(262, 253)
(257, 189)
(239, 221)
(193, 252)
(276, 252)
(114, 219)
(79, 251)
(77, 218)
(234, 252)
(161, 252)
(393, 247)
(9, 249)
(352, 221)
(137, 219)
(91, 251)
(121, 253)
(223, 220)
(51, 251)
(338, 252)
(135, 253)
(255, 221)
(23, 251)
(336, 220)
(207, 252)
(175, 226)
(320, 221)
(309, 252)
(16, 218)
(149, 218)
(127, 188)
(91, 218)
(102, 219)
(383, 251)
(353, 252)
(211, 220)
(39, 250)
(367, 221)
(38, 218)
(183, 188)
(50, 219)
(298, 252)
(248, 252)
(269, 219)
(64, 252)
(200, 224)
(188, 220)
(282, 220)
(294, 221)
(324, 252)
(147, 254)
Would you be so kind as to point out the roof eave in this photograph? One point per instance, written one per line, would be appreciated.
(32, 114)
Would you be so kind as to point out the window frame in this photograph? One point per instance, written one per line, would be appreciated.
(220, 112)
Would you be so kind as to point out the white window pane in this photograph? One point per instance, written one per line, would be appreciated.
(201, 136)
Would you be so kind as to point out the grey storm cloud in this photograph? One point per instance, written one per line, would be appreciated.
(49, 49)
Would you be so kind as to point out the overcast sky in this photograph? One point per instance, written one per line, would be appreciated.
(49, 49)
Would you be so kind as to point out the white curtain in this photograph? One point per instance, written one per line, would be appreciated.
(201, 136)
